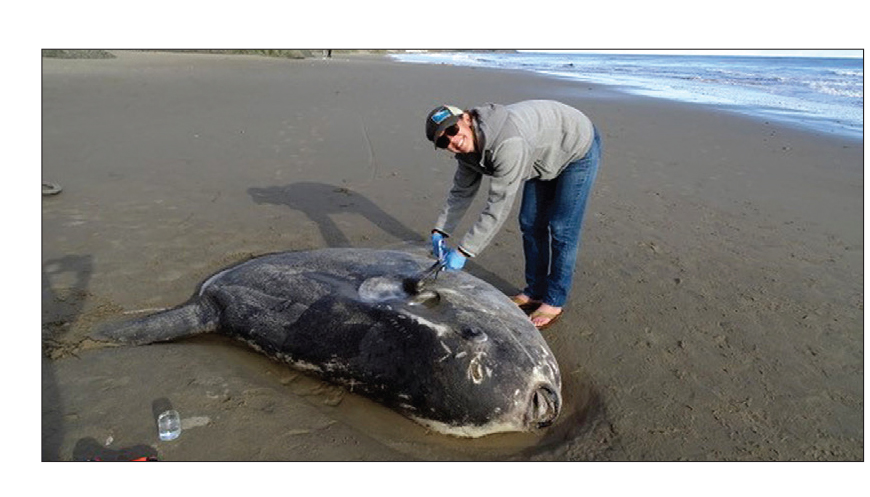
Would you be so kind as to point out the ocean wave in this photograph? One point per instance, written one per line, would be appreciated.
(818, 90)
(858, 73)
(840, 90)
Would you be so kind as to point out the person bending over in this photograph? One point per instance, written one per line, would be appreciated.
(546, 149)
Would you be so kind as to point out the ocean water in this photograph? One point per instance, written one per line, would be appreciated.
(821, 94)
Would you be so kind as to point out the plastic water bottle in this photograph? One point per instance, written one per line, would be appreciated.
(169, 425)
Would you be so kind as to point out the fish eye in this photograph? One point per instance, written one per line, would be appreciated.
(473, 334)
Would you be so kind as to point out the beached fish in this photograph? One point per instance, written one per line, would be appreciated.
(455, 355)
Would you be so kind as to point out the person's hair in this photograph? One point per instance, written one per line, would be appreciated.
(473, 114)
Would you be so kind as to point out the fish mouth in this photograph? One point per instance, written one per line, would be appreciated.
(544, 406)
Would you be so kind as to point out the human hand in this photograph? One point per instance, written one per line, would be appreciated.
(438, 246)
(454, 260)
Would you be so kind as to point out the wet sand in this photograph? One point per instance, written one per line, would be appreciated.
(717, 313)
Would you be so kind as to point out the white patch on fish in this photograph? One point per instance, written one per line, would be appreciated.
(476, 368)
(440, 329)
(446, 349)
(469, 431)
(381, 289)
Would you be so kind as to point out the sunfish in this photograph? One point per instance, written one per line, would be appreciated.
(456, 355)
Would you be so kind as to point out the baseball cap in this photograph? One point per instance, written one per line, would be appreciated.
(441, 118)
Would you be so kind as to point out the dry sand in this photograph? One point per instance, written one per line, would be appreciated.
(717, 314)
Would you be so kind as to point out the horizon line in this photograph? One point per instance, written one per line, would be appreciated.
(826, 53)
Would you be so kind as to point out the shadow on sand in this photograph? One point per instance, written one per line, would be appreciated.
(64, 290)
(88, 449)
(321, 201)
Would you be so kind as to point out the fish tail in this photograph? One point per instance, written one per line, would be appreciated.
(189, 319)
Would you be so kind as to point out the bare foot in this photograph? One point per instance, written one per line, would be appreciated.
(545, 315)
(525, 303)
(523, 299)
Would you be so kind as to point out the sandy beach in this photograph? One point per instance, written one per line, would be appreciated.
(717, 312)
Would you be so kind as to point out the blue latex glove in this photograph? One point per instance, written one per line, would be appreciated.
(454, 261)
(438, 247)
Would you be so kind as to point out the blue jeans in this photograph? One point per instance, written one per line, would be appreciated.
(551, 219)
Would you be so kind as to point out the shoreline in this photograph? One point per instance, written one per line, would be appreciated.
(796, 121)
(717, 312)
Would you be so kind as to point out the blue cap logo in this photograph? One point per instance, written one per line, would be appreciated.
(441, 115)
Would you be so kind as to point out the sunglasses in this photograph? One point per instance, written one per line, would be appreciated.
(444, 139)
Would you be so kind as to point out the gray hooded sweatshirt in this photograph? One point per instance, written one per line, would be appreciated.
(534, 139)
